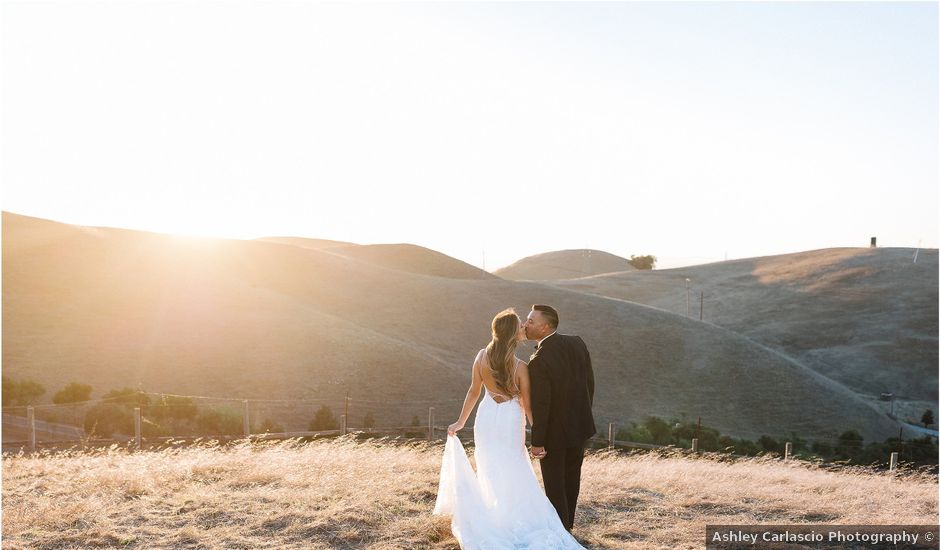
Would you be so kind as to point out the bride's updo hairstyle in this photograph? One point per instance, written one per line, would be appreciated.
(500, 352)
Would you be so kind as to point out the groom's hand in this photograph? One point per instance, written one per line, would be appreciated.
(538, 452)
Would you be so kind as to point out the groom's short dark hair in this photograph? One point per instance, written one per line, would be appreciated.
(549, 312)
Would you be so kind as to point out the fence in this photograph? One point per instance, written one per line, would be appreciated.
(146, 420)
(156, 417)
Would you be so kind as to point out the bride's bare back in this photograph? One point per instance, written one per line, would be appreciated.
(500, 396)
(520, 378)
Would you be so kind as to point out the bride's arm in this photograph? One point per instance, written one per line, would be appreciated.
(522, 372)
(473, 394)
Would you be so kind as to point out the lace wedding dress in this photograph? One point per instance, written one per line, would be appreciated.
(501, 506)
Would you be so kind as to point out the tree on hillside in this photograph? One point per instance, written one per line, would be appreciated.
(821, 448)
(28, 392)
(850, 444)
(324, 420)
(927, 419)
(24, 392)
(220, 421)
(104, 419)
(130, 398)
(683, 433)
(72, 393)
(659, 429)
(770, 444)
(177, 408)
(642, 262)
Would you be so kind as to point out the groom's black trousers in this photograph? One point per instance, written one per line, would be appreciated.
(561, 474)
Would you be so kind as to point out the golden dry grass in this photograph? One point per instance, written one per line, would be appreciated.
(347, 494)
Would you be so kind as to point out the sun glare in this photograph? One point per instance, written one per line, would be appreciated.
(204, 229)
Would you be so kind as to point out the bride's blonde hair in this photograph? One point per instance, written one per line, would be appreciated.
(501, 351)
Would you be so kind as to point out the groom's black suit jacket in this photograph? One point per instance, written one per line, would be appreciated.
(562, 386)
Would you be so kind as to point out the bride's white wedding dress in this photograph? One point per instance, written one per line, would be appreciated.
(502, 505)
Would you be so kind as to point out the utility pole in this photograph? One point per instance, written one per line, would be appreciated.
(701, 311)
(346, 409)
(688, 298)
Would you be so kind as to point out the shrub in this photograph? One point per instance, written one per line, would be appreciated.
(770, 444)
(72, 393)
(179, 408)
(659, 429)
(24, 392)
(130, 398)
(324, 420)
(851, 443)
(221, 421)
(104, 419)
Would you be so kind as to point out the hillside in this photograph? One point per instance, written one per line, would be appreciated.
(866, 318)
(413, 259)
(253, 319)
(564, 264)
(302, 242)
(342, 494)
(402, 257)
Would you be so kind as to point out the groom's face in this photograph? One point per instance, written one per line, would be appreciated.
(535, 325)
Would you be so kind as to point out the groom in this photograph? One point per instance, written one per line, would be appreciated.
(562, 385)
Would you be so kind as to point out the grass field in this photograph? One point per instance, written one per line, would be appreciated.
(346, 494)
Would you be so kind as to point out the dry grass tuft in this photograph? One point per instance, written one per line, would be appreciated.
(347, 494)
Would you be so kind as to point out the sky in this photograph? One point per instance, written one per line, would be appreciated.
(487, 131)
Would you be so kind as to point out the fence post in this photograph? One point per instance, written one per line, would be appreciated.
(788, 451)
(31, 426)
(694, 444)
(894, 462)
(430, 423)
(245, 420)
(342, 424)
(137, 427)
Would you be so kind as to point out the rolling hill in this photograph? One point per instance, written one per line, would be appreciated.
(564, 264)
(256, 319)
(864, 317)
(412, 259)
(401, 257)
(315, 244)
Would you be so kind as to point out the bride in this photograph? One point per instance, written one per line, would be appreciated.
(501, 506)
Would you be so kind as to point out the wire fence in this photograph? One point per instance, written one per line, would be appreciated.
(147, 420)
